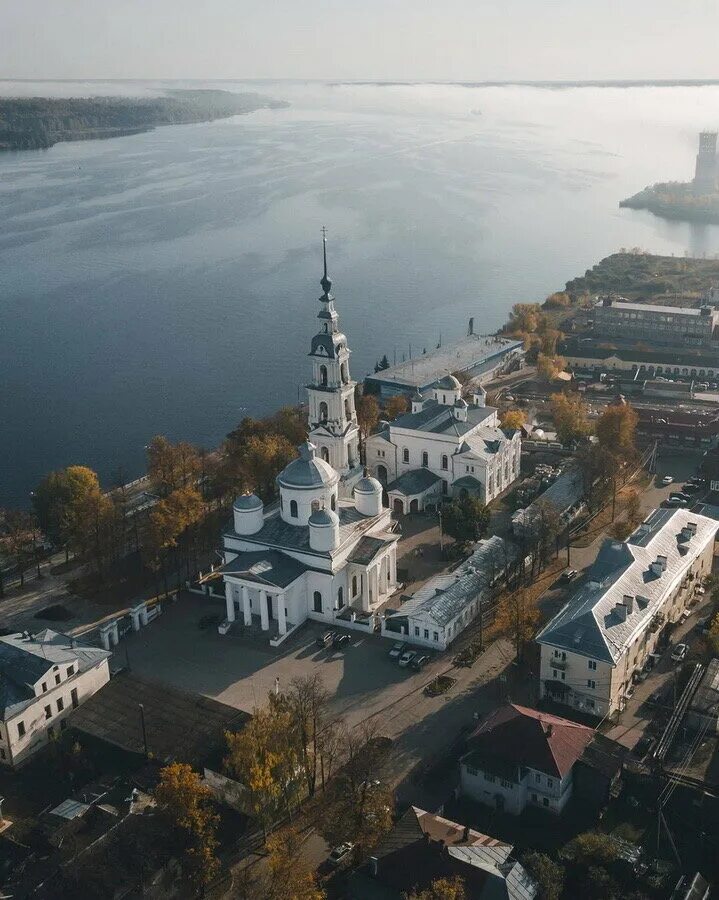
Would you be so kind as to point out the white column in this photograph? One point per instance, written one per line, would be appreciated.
(264, 618)
(281, 617)
(230, 601)
(246, 609)
(115, 634)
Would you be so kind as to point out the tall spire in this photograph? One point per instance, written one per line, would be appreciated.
(326, 281)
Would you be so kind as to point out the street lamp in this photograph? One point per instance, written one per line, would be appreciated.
(141, 707)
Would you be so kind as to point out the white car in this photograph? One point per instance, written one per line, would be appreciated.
(668, 479)
(679, 652)
(407, 657)
(340, 853)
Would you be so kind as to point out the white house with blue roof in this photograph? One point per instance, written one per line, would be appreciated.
(43, 677)
(596, 645)
(328, 547)
(444, 447)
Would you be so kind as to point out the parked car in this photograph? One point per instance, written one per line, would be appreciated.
(325, 639)
(643, 746)
(690, 488)
(340, 853)
(569, 575)
(419, 662)
(680, 495)
(674, 501)
(509, 397)
(668, 479)
(396, 650)
(341, 641)
(407, 657)
(679, 653)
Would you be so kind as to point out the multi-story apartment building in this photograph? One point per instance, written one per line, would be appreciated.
(43, 676)
(594, 647)
(674, 325)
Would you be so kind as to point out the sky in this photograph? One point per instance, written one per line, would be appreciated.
(454, 40)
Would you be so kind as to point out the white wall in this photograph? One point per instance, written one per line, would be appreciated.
(19, 749)
(551, 793)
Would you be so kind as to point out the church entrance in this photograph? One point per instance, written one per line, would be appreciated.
(414, 506)
(269, 606)
(382, 474)
(398, 506)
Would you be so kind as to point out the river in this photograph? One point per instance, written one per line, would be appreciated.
(167, 283)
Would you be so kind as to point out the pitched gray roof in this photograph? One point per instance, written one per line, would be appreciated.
(417, 481)
(590, 624)
(444, 597)
(369, 547)
(265, 567)
(25, 660)
(436, 418)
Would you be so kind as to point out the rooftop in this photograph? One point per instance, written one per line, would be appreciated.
(265, 567)
(517, 736)
(416, 481)
(622, 592)
(180, 725)
(652, 307)
(444, 597)
(458, 356)
(25, 658)
(436, 418)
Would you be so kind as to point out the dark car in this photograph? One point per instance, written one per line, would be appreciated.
(341, 641)
(396, 650)
(419, 662)
(569, 575)
(643, 746)
(325, 639)
(680, 495)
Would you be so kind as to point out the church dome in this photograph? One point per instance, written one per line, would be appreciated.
(308, 471)
(247, 502)
(368, 485)
(322, 518)
(461, 404)
(450, 383)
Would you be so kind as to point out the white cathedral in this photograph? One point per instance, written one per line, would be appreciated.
(327, 546)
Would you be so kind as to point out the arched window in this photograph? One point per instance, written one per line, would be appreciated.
(293, 508)
(323, 376)
(317, 600)
(325, 453)
(348, 409)
(354, 585)
(405, 455)
(345, 373)
(315, 505)
(333, 502)
(425, 458)
(323, 412)
(445, 462)
(340, 598)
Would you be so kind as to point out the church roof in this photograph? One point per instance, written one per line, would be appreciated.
(265, 567)
(416, 481)
(368, 548)
(308, 470)
(323, 517)
(436, 418)
(278, 534)
(247, 502)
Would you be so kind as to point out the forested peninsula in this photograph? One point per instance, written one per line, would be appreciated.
(677, 200)
(32, 123)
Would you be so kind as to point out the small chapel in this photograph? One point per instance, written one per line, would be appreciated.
(327, 547)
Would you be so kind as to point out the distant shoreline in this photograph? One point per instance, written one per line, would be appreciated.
(676, 200)
(38, 123)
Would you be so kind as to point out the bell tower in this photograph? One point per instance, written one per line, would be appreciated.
(332, 415)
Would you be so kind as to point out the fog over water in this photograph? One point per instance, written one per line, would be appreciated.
(168, 282)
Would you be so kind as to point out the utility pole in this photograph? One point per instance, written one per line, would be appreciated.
(141, 707)
(441, 531)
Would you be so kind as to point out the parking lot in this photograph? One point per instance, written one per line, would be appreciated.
(241, 671)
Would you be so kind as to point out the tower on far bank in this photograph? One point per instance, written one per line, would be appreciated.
(705, 175)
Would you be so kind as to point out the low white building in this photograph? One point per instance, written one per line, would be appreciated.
(594, 647)
(521, 757)
(445, 605)
(443, 447)
(44, 677)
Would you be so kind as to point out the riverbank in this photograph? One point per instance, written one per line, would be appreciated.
(35, 123)
(676, 200)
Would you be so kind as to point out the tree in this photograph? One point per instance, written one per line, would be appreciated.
(288, 875)
(308, 701)
(17, 529)
(512, 419)
(517, 615)
(558, 300)
(441, 889)
(569, 413)
(58, 495)
(466, 519)
(549, 366)
(616, 430)
(185, 801)
(550, 337)
(264, 757)
(543, 531)
(367, 416)
(599, 470)
(395, 406)
(548, 874)
(263, 459)
(525, 317)
(172, 466)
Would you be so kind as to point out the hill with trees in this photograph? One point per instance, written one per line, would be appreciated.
(32, 123)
